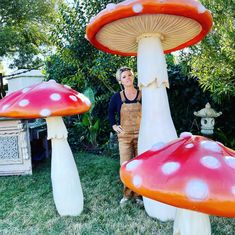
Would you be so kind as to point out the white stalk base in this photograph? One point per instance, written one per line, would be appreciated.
(156, 123)
(159, 210)
(191, 223)
(67, 190)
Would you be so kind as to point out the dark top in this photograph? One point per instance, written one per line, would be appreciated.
(115, 107)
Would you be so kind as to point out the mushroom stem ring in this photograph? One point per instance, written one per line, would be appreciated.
(150, 35)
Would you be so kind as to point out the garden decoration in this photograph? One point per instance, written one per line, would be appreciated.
(148, 29)
(51, 101)
(207, 116)
(191, 172)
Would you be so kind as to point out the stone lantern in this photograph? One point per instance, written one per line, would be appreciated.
(207, 116)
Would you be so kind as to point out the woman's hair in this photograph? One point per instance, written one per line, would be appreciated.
(121, 70)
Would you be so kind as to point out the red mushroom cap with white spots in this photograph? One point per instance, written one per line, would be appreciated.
(179, 24)
(192, 172)
(45, 99)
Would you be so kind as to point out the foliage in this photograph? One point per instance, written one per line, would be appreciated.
(185, 97)
(24, 29)
(27, 204)
(213, 60)
(87, 125)
(80, 65)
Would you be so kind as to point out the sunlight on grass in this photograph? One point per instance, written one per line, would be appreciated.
(27, 204)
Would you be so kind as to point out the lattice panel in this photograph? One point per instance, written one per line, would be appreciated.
(9, 148)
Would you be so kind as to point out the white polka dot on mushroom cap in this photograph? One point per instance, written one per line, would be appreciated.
(92, 19)
(25, 90)
(220, 143)
(170, 167)
(52, 81)
(210, 162)
(133, 165)
(137, 181)
(45, 112)
(230, 161)
(189, 146)
(87, 101)
(197, 189)
(185, 134)
(23, 103)
(84, 99)
(127, 2)
(66, 86)
(233, 190)
(211, 145)
(73, 97)
(110, 6)
(55, 96)
(137, 8)
(201, 9)
(158, 146)
(5, 107)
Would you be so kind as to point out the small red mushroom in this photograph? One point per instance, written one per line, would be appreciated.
(51, 101)
(191, 172)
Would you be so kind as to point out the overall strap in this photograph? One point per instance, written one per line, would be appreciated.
(122, 96)
(139, 96)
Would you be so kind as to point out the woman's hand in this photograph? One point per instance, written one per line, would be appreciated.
(118, 129)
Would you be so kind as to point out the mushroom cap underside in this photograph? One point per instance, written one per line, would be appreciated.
(43, 100)
(192, 172)
(178, 23)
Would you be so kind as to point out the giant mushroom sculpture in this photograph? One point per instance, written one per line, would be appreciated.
(148, 29)
(51, 101)
(191, 172)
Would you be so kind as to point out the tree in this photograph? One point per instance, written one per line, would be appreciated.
(80, 65)
(213, 60)
(24, 29)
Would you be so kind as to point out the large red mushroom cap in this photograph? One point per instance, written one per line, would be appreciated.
(179, 24)
(192, 172)
(45, 99)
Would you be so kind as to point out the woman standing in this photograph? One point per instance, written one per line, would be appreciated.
(124, 117)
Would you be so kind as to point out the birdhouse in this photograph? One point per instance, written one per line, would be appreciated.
(207, 116)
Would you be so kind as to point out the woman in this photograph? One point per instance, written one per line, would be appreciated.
(126, 106)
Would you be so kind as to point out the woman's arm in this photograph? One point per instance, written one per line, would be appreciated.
(112, 111)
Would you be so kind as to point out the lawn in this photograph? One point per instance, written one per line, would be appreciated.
(27, 205)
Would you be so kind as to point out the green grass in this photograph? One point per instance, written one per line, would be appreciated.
(27, 204)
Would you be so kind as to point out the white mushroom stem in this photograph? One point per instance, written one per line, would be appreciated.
(156, 124)
(191, 222)
(67, 190)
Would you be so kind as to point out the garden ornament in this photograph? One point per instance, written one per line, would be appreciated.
(51, 101)
(148, 29)
(191, 172)
(208, 116)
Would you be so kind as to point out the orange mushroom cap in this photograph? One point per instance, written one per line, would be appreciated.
(180, 23)
(192, 172)
(44, 100)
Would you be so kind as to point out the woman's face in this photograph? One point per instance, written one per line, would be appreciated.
(127, 78)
